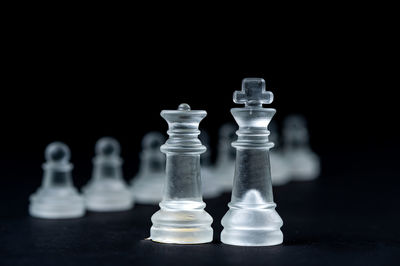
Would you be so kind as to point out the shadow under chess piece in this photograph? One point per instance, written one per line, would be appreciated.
(252, 219)
(147, 186)
(225, 164)
(304, 163)
(182, 218)
(107, 190)
(57, 198)
(209, 182)
(280, 168)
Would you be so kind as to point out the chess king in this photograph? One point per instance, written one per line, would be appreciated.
(252, 219)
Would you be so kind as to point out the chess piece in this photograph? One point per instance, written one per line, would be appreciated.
(181, 218)
(252, 219)
(147, 186)
(209, 179)
(57, 198)
(304, 163)
(225, 165)
(280, 169)
(107, 190)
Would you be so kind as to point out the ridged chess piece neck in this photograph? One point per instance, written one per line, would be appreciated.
(252, 219)
(183, 130)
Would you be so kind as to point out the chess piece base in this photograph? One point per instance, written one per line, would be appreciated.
(264, 230)
(56, 203)
(108, 195)
(181, 226)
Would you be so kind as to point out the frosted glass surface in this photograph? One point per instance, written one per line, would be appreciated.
(147, 186)
(304, 163)
(107, 190)
(280, 166)
(225, 164)
(57, 198)
(182, 218)
(252, 219)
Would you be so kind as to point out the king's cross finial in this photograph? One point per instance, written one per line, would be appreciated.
(253, 93)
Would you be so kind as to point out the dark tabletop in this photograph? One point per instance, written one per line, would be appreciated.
(347, 218)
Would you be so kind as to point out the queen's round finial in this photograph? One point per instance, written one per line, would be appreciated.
(107, 146)
(184, 107)
(57, 152)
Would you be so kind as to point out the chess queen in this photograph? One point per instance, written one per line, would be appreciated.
(182, 218)
(252, 219)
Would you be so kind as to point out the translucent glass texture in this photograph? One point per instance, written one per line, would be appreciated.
(57, 198)
(107, 190)
(280, 167)
(252, 219)
(225, 165)
(147, 186)
(210, 185)
(182, 218)
(304, 163)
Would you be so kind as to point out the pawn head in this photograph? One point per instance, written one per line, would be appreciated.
(57, 152)
(107, 146)
(153, 141)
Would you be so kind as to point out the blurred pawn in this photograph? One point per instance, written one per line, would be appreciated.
(57, 198)
(107, 190)
(280, 168)
(209, 180)
(225, 165)
(147, 185)
(304, 163)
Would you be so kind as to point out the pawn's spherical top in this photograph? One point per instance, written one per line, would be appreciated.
(57, 152)
(107, 146)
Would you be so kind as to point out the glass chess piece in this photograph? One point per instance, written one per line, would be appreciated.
(57, 198)
(147, 186)
(304, 163)
(107, 190)
(182, 218)
(280, 168)
(210, 184)
(225, 164)
(252, 219)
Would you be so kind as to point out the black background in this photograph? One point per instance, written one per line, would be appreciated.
(78, 80)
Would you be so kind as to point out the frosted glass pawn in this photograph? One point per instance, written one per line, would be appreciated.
(182, 218)
(304, 163)
(210, 184)
(107, 190)
(225, 164)
(57, 198)
(280, 168)
(252, 219)
(147, 186)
